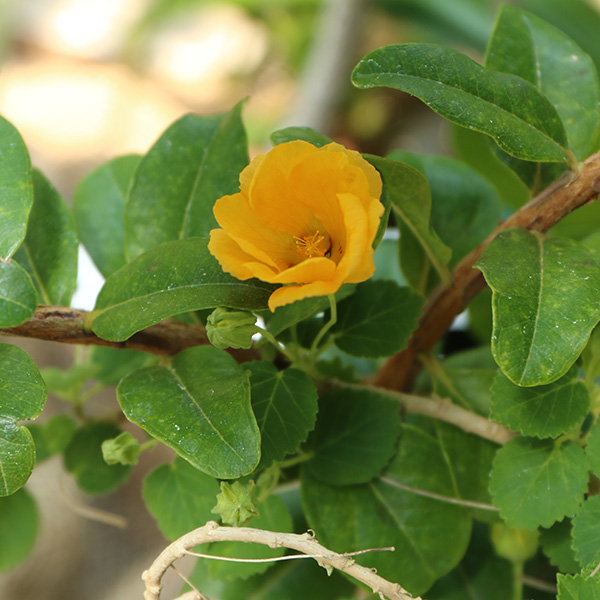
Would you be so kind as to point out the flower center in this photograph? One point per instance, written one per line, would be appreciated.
(312, 246)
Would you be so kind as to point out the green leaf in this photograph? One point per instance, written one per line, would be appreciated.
(544, 302)
(22, 396)
(592, 449)
(411, 201)
(538, 482)
(174, 278)
(293, 580)
(355, 436)
(481, 575)
(556, 544)
(577, 587)
(49, 251)
(285, 405)
(476, 150)
(586, 532)
(377, 319)
(527, 46)
(289, 134)
(507, 108)
(465, 207)
(52, 437)
(273, 516)
(16, 189)
(199, 405)
(576, 18)
(18, 298)
(19, 524)
(179, 497)
(99, 208)
(469, 460)
(466, 387)
(542, 411)
(376, 515)
(197, 160)
(110, 365)
(83, 459)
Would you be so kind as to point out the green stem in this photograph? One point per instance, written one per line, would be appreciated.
(332, 321)
(296, 460)
(517, 580)
(271, 338)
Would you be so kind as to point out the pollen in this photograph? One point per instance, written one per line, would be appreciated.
(311, 246)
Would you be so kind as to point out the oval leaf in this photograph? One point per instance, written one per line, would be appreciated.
(16, 189)
(199, 405)
(410, 198)
(355, 437)
(544, 303)
(99, 208)
(195, 162)
(527, 46)
(538, 482)
(174, 278)
(507, 108)
(379, 513)
(285, 405)
(179, 497)
(49, 251)
(542, 411)
(18, 298)
(84, 459)
(586, 532)
(368, 321)
(22, 396)
(19, 524)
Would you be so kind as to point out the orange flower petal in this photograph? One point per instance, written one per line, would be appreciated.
(272, 247)
(358, 254)
(230, 256)
(290, 293)
(312, 269)
(274, 199)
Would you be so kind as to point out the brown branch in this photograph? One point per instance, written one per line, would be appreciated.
(66, 325)
(563, 197)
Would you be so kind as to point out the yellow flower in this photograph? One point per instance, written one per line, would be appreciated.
(305, 217)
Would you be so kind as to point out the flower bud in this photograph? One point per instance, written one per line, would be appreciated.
(236, 504)
(124, 449)
(227, 328)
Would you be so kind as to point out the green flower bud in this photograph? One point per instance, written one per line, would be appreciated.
(123, 449)
(236, 503)
(227, 328)
(512, 544)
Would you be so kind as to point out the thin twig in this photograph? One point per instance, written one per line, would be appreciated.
(305, 543)
(538, 584)
(444, 410)
(563, 197)
(448, 499)
(196, 591)
(283, 558)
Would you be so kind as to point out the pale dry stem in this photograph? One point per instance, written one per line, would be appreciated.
(304, 543)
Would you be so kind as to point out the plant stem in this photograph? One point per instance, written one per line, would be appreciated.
(332, 321)
(570, 192)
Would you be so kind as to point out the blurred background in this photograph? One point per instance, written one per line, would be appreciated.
(87, 80)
